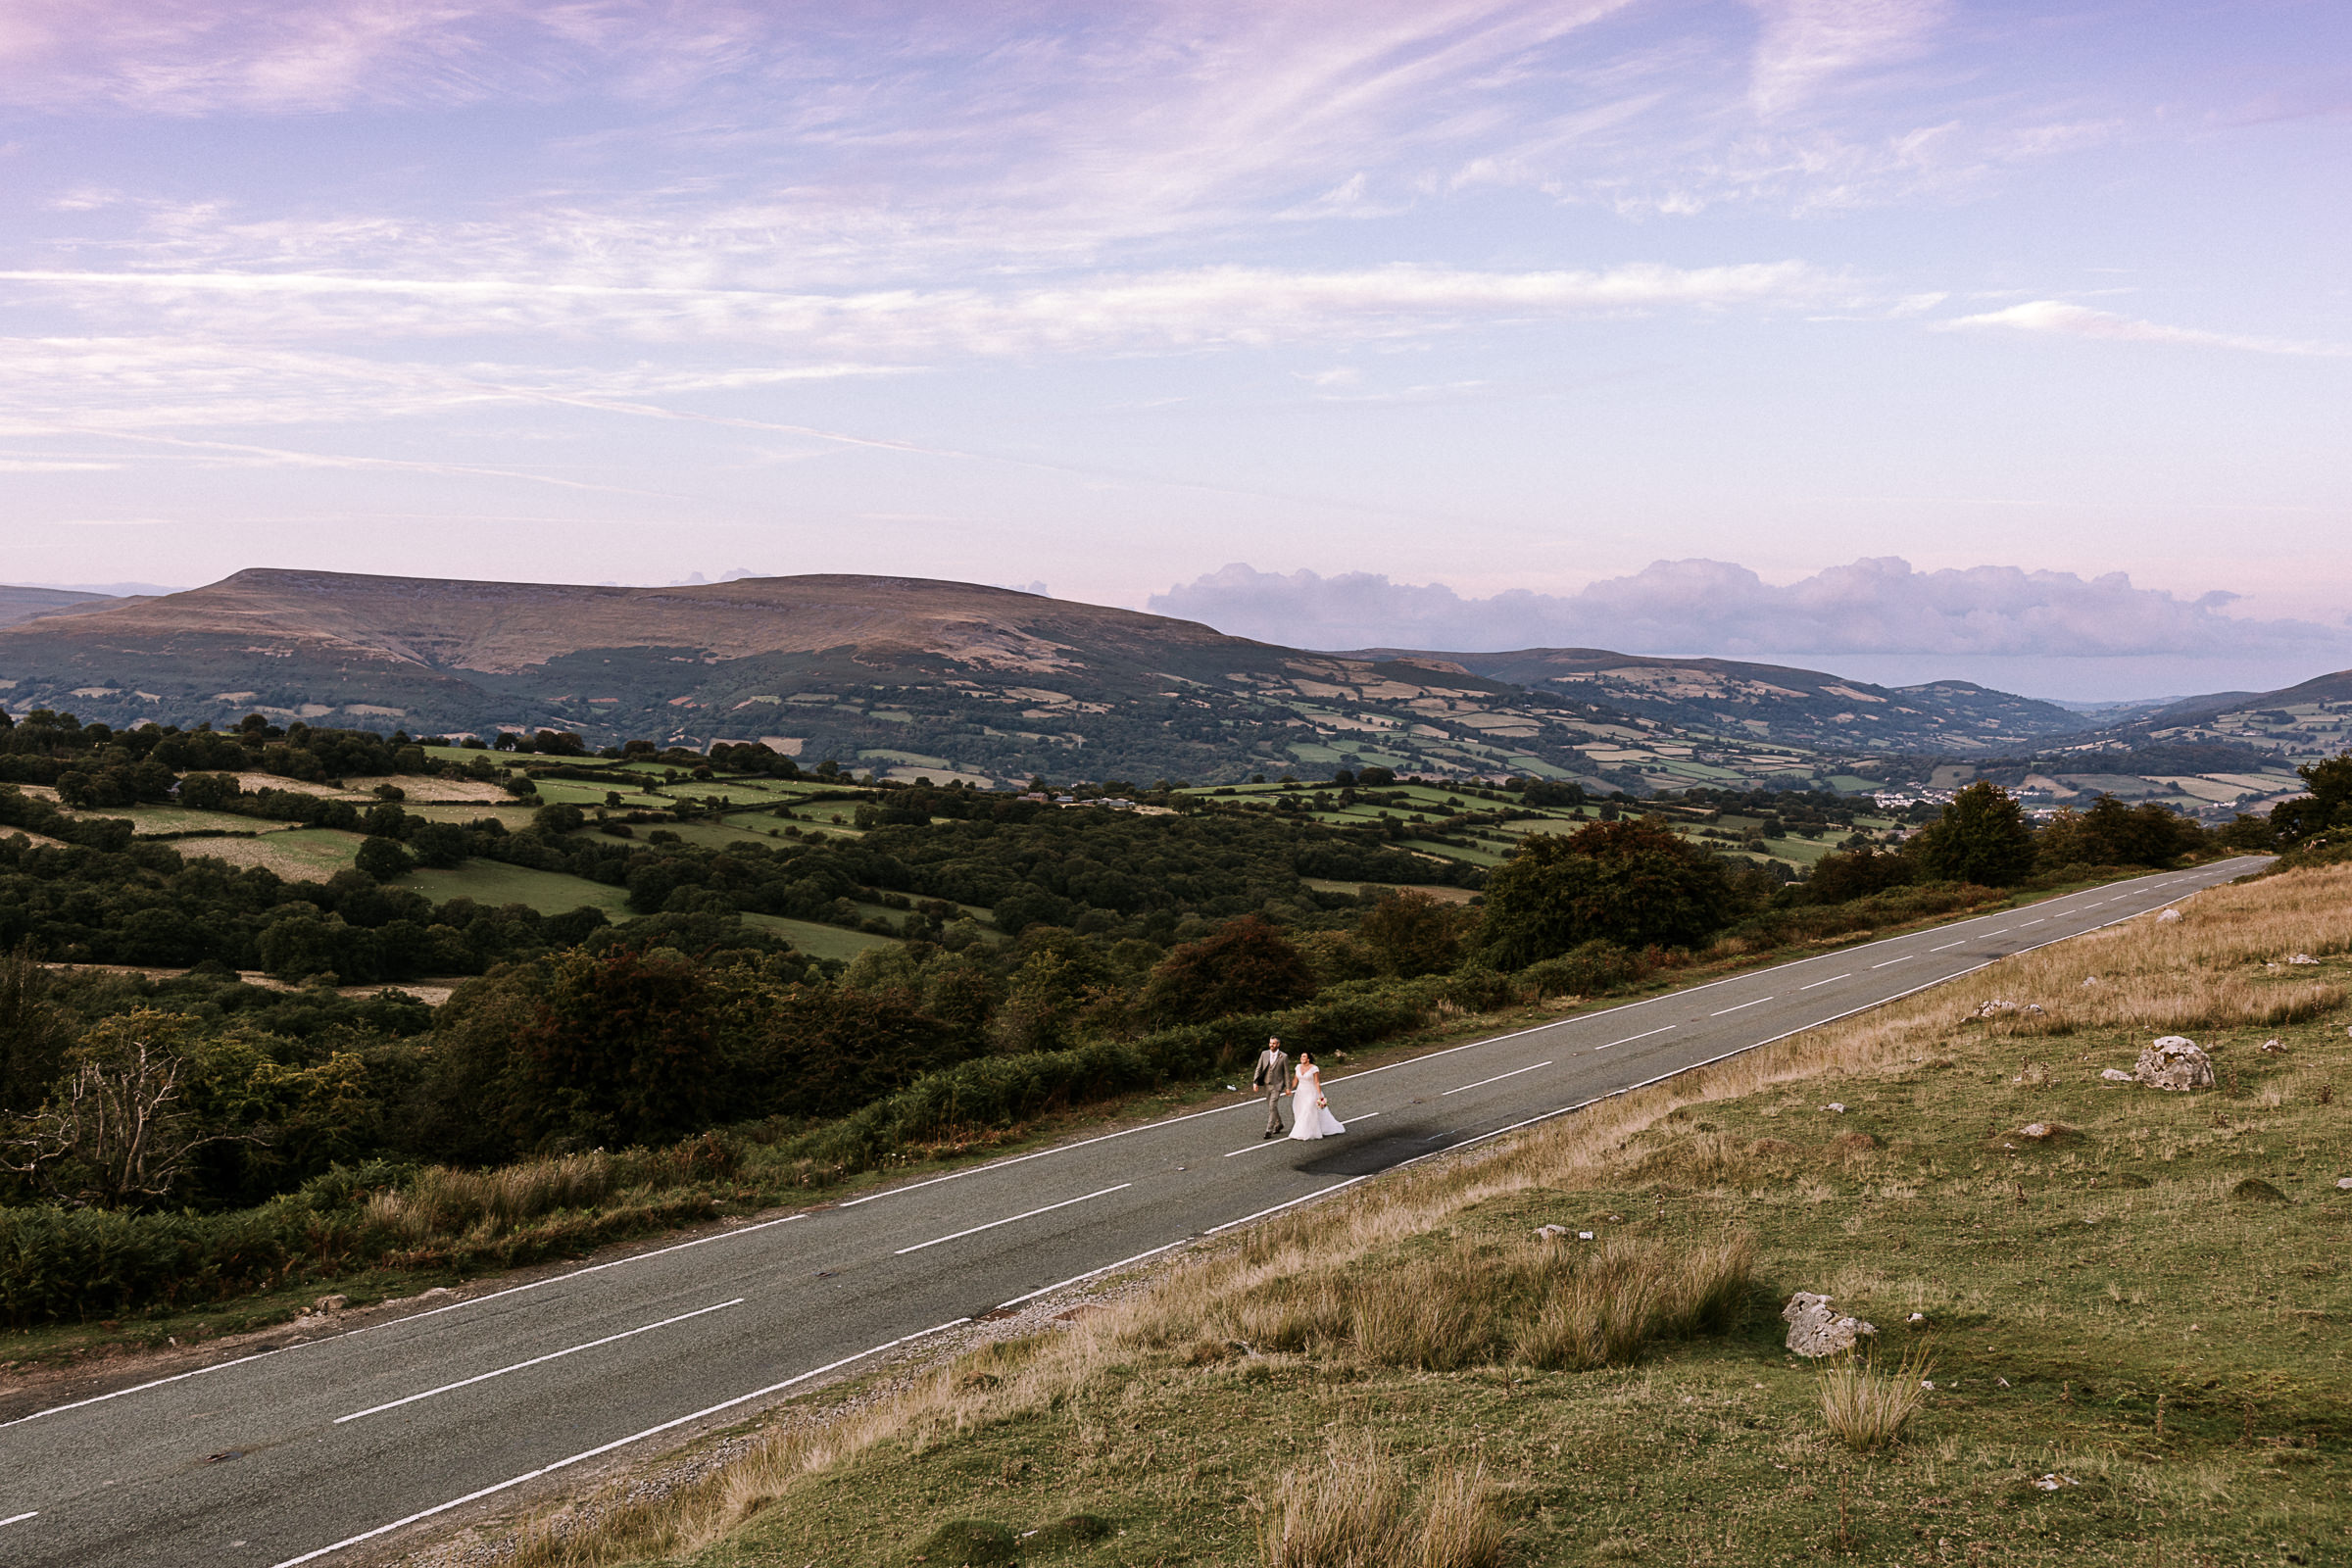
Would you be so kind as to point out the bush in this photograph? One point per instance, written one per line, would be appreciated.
(1590, 970)
(1632, 883)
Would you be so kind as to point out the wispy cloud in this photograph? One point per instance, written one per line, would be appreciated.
(1806, 44)
(2056, 317)
(1877, 606)
(1192, 308)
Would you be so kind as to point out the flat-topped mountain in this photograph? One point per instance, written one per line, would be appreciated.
(913, 675)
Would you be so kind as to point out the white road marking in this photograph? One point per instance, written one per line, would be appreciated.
(1265, 1144)
(1830, 981)
(1630, 1038)
(536, 1360)
(19, 1518)
(1745, 1005)
(1010, 1218)
(2036, 920)
(1890, 963)
(608, 1448)
(1949, 946)
(1497, 1078)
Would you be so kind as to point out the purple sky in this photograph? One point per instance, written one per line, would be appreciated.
(1516, 299)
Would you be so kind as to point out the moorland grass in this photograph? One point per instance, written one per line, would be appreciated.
(2133, 1366)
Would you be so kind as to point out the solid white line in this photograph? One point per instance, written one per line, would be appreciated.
(1891, 963)
(1010, 1218)
(608, 1448)
(19, 1518)
(1830, 981)
(552, 1355)
(136, 1387)
(1497, 1078)
(1090, 1273)
(1728, 1011)
(1320, 1192)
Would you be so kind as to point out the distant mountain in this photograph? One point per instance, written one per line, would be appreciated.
(916, 676)
(1806, 707)
(24, 604)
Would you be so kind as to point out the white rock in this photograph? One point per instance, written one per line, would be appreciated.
(1918, 1317)
(1837, 1106)
(1551, 1233)
(2035, 1130)
(2051, 1482)
(2302, 957)
(2345, 1183)
(2174, 1063)
(2274, 1048)
(2167, 916)
(2090, 981)
(1817, 1329)
(1583, 1236)
(2117, 1075)
(2003, 1382)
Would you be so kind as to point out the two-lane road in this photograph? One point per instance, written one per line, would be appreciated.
(302, 1453)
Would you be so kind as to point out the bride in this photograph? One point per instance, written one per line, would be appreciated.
(1310, 1113)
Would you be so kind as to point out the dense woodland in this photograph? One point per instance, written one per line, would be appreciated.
(1043, 955)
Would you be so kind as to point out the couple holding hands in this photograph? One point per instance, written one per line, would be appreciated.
(1310, 1113)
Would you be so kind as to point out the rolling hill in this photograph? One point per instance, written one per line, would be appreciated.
(906, 676)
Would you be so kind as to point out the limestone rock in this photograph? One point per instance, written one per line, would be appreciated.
(2273, 1047)
(2167, 917)
(1550, 1233)
(2302, 957)
(2345, 1183)
(1997, 1009)
(2117, 1075)
(1838, 1105)
(2037, 1131)
(2174, 1063)
(1817, 1329)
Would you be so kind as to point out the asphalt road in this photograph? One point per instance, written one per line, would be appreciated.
(304, 1453)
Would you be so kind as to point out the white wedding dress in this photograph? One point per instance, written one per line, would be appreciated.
(1311, 1118)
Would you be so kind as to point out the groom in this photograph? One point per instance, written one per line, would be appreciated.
(1272, 1079)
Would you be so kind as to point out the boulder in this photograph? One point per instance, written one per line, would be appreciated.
(2167, 917)
(1817, 1329)
(2174, 1063)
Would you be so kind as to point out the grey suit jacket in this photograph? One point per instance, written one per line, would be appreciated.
(1273, 1071)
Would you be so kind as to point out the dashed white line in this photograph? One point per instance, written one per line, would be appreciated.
(1010, 1218)
(1742, 1007)
(19, 1518)
(1497, 1078)
(1890, 963)
(1949, 946)
(536, 1360)
(608, 1448)
(1830, 981)
(1264, 1144)
(1644, 1034)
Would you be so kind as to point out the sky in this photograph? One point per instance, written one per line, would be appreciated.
(1917, 338)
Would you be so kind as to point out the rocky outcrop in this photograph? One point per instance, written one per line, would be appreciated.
(2173, 1062)
(1817, 1329)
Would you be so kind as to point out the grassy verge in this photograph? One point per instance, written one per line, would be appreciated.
(2113, 1321)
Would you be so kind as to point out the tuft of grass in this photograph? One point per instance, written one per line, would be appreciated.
(1866, 1408)
(1356, 1510)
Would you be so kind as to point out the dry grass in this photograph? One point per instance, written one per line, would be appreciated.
(1866, 1408)
(1356, 1510)
(442, 1202)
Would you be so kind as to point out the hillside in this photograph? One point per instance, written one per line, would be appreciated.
(907, 677)
(26, 604)
(1804, 706)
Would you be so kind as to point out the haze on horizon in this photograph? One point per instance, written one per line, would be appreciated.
(1451, 316)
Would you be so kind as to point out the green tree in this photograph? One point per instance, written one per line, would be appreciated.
(381, 859)
(1245, 966)
(2329, 805)
(616, 1048)
(1981, 837)
(1413, 932)
(1633, 883)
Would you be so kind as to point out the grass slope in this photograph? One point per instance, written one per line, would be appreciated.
(2137, 1325)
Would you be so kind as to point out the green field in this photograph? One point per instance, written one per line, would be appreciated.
(487, 882)
(821, 941)
(299, 855)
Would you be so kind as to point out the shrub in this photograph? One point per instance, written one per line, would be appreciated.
(1587, 970)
